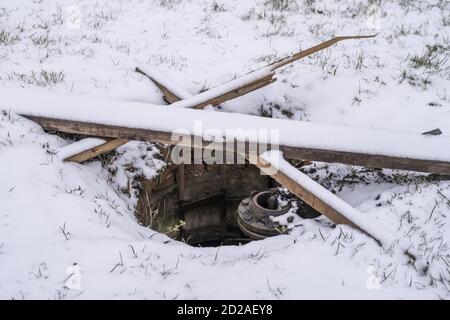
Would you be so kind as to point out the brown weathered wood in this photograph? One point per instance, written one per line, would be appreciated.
(366, 160)
(302, 54)
(290, 152)
(230, 95)
(96, 151)
(180, 182)
(168, 95)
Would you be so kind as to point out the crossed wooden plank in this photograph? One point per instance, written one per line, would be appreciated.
(171, 96)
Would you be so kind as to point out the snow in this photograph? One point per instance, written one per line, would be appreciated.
(202, 44)
(78, 147)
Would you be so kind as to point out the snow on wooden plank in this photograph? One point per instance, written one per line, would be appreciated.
(228, 90)
(180, 98)
(96, 149)
(329, 204)
(304, 140)
(79, 147)
(376, 161)
(172, 91)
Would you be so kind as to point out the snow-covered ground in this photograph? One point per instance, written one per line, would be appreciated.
(54, 214)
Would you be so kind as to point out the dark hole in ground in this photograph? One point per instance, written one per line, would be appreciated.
(223, 242)
(198, 204)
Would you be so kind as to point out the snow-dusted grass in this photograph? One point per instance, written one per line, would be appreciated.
(54, 214)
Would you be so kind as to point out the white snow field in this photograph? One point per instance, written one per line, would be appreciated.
(54, 214)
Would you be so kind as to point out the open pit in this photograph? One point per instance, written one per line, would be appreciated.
(198, 204)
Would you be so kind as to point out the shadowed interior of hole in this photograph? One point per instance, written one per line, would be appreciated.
(262, 200)
(216, 232)
(203, 211)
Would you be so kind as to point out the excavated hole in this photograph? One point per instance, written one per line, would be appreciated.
(198, 204)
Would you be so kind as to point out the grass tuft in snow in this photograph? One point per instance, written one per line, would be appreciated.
(279, 26)
(282, 5)
(8, 37)
(434, 60)
(217, 7)
(169, 4)
(43, 78)
(43, 40)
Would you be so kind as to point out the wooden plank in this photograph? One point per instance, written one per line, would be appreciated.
(168, 95)
(232, 94)
(302, 54)
(290, 152)
(96, 151)
(367, 160)
(180, 182)
(171, 97)
(302, 192)
(99, 150)
(339, 214)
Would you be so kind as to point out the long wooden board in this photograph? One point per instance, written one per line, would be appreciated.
(290, 152)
